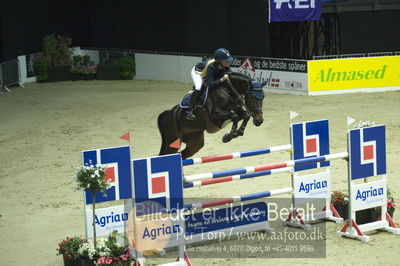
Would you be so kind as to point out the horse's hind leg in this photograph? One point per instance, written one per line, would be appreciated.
(194, 142)
(169, 134)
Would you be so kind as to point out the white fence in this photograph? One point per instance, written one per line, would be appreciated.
(165, 67)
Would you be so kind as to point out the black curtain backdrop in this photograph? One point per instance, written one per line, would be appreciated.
(362, 32)
(173, 25)
(25, 22)
(178, 26)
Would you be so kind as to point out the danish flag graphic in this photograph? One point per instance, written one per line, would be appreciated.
(159, 179)
(367, 148)
(275, 83)
(310, 139)
(118, 172)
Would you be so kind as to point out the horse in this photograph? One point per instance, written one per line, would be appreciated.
(234, 100)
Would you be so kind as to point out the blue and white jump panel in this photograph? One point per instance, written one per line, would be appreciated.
(367, 158)
(311, 140)
(159, 180)
(118, 173)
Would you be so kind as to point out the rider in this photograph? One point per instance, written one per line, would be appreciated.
(214, 71)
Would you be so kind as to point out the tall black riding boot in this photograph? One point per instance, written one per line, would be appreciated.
(193, 103)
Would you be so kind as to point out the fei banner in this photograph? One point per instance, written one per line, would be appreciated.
(294, 10)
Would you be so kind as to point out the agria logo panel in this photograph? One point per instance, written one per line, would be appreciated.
(158, 180)
(310, 139)
(367, 148)
(118, 172)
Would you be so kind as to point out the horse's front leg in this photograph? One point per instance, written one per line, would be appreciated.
(235, 118)
(224, 115)
(246, 117)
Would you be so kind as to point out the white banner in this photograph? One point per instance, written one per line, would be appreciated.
(107, 220)
(286, 76)
(368, 195)
(313, 186)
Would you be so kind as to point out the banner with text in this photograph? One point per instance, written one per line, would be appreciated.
(353, 73)
(280, 74)
(294, 10)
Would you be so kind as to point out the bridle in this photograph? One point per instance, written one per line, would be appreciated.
(241, 102)
(258, 106)
(238, 97)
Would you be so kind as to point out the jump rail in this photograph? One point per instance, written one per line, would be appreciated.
(229, 156)
(242, 198)
(236, 177)
(264, 167)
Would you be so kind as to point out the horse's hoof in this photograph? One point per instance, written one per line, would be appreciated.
(240, 132)
(226, 138)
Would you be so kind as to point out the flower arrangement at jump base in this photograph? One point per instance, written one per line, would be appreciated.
(107, 252)
(68, 248)
(92, 178)
(79, 252)
(341, 203)
(390, 206)
(114, 253)
(362, 124)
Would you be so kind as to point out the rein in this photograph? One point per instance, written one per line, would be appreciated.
(239, 98)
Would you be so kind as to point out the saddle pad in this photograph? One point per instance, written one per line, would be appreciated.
(185, 101)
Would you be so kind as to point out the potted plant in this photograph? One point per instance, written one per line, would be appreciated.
(92, 178)
(114, 253)
(76, 69)
(88, 254)
(75, 74)
(127, 66)
(57, 49)
(340, 201)
(68, 248)
(89, 72)
(390, 206)
(41, 68)
(50, 48)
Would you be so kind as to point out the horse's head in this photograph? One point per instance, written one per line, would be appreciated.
(254, 101)
(253, 96)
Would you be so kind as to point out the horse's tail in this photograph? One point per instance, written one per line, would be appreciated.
(160, 120)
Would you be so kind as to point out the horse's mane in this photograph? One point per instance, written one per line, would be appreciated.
(240, 76)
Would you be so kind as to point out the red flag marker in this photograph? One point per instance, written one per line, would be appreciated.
(127, 137)
(176, 144)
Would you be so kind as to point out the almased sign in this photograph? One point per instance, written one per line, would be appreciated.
(354, 74)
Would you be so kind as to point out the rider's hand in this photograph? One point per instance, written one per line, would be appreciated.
(225, 77)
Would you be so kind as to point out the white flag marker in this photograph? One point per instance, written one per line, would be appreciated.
(350, 120)
(293, 115)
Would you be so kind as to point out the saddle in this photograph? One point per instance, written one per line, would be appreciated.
(185, 101)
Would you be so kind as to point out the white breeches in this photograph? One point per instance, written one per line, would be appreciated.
(197, 80)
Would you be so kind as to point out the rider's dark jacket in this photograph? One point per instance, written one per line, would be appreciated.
(214, 73)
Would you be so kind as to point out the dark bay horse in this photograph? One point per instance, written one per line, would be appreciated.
(224, 104)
